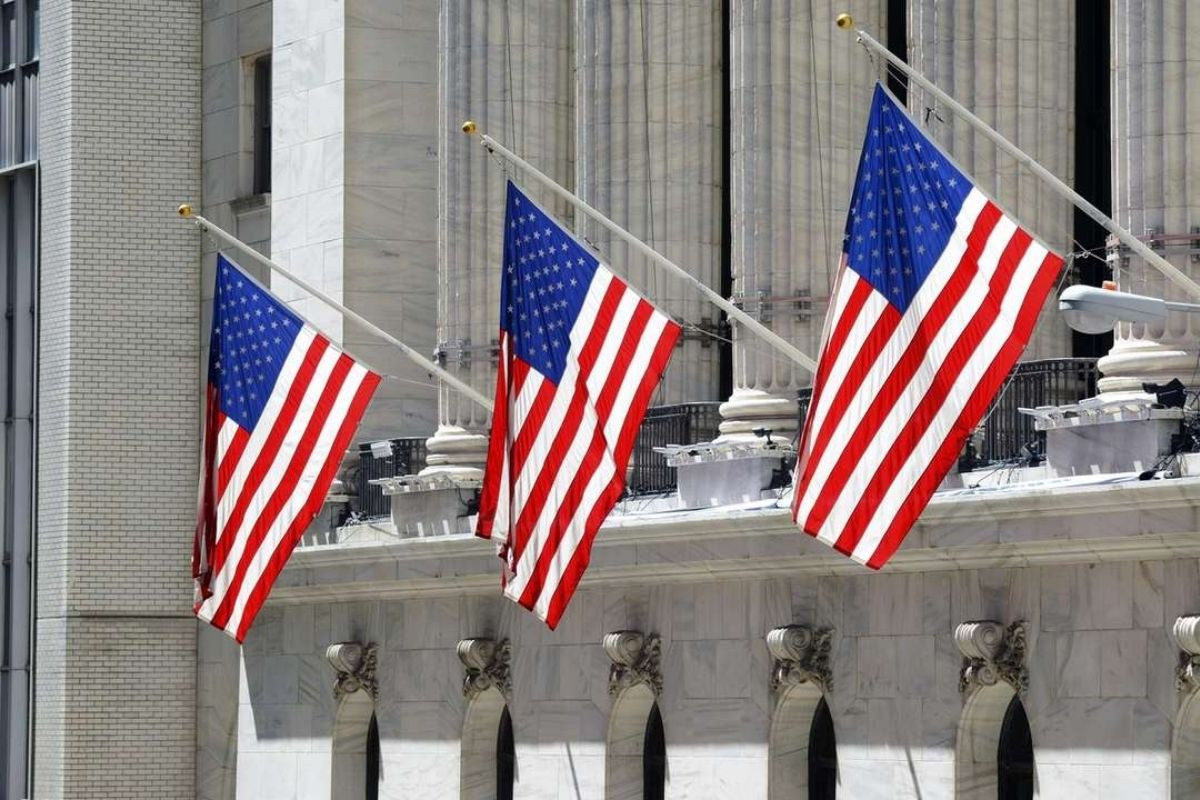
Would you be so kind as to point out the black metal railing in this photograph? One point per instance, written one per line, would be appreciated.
(407, 458)
(684, 423)
(1005, 431)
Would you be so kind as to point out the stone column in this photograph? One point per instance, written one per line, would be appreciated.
(1156, 183)
(508, 67)
(799, 93)
(354, 171)
(1011, 63)
(649, 83)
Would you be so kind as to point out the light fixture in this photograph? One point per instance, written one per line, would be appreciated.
(1089, 309)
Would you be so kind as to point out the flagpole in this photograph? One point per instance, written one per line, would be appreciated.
(203, 224)
(846, 22)
(772, 338)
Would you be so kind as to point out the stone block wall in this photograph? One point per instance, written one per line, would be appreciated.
(1101, 699)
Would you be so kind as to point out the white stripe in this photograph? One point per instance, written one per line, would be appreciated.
(300, 494)
(271, 479)
(225, 435)
(639, 365)
(914, 392)
(878, 373)
(982, 358)
(266, 422)
(503, 496)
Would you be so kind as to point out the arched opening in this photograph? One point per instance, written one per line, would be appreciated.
(802, 753)
(1014, 756)
(654, 757)
(994, 752)
(636, 754)
(1185, 749)
(488, 759)
(506, 758)
(355, 770)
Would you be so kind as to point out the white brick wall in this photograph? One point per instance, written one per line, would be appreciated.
(120, 144)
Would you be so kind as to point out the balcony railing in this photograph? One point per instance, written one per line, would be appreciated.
(684, 423)
(1005, 431)
(407, 458)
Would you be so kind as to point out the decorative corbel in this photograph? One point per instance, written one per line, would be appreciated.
(991, 653)
(636, 659)
(488, 663)
(800, 655)
(354, 663)
(1186, 633)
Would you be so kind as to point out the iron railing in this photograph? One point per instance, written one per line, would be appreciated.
(1005, 431)
(684, 423)
(407, 458)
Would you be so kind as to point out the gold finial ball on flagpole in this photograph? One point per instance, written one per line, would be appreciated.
(185, 210)
(845, 21)
(468, 127)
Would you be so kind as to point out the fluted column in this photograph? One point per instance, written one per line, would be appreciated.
(1012, 63)
(508, 67)
(649, 93)
(799, 91)
(1156, 182)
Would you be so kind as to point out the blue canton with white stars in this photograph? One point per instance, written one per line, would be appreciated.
(546, 278)
(906, 198)
(252, 334)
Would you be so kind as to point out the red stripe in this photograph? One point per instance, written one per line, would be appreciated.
(266, 456)
(312, 505)
(489, 494)
(879, 337)
(297, 465)
(908, 365)
(570, 502)
(229, 462)
(935, 396)
(206, 513)
(972, 412)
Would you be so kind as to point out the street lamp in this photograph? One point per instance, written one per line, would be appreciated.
(1089, 309)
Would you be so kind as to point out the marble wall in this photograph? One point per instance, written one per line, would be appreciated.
(1101, 697)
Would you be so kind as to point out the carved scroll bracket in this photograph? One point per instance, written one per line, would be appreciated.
(636, 659)
(1186, 633)
(991, 653)
(800, 655)
(354, 663)
(488, 663)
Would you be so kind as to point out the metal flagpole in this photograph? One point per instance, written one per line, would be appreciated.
(846, 22)
(186, 212)
(772, 338)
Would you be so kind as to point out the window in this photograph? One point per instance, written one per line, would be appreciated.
(654, 757)
(506, 758)
(822, 755)
(372, 777)
(262, 125)
(1015, 754)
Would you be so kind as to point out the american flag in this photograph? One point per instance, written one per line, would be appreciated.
(937, 294)
(283, 404)
(580, 355)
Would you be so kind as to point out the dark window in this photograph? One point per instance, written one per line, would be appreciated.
(262, 125)
(654, 758)
(822, 755)
(1015, 756)
(506, 758)
(33, 23)
(8, 37)
(373, 760)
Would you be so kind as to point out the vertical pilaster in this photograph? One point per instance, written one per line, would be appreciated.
(650, 150)
(118, 402)
(508, 67)
(1155, 174)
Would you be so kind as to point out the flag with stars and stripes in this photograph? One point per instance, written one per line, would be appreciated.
(580, 355)
(937, 294)
(283, 404)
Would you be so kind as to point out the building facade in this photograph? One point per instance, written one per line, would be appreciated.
(1035, 633)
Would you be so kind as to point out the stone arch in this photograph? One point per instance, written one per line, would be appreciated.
(351, 736)
(1185, 748)
(480, 737)
(977, 750)
(626, 743)
(788, 746)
